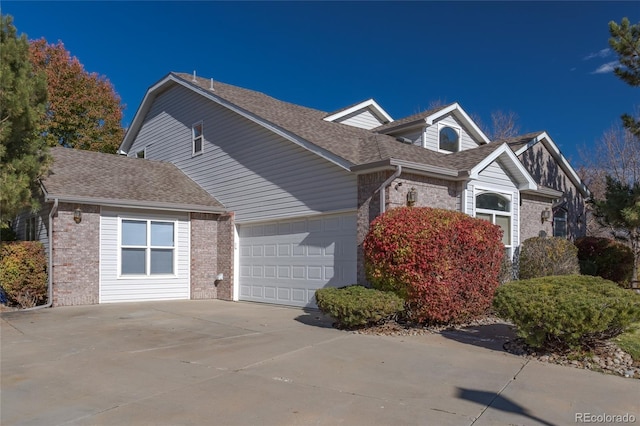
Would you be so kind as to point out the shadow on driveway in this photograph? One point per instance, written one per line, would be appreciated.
(497, 402)
(315, 318)
(490, 336)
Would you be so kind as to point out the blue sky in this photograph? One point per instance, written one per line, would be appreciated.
(546, 61)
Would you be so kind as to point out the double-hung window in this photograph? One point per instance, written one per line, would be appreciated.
(496, 208)
(197, 137)
(147, 247)
(31, 228)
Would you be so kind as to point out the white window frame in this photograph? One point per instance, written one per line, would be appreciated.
(195, 138)
(142, 151)
(31, 228)
(495, 213)
(456, 129)
(148, 247)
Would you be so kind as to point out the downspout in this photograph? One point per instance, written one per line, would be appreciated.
(53, 211)
(384, 185)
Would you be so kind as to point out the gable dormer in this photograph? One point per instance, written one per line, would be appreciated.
(365, 115)
(446, 129)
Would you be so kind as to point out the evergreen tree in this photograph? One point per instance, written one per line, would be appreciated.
(620, 209)
(84, 111)
(625, 41)
(23, 151)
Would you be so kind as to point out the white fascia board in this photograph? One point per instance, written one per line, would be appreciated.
(525, 180)
(456, 109)
(370, 103)
(557, 155)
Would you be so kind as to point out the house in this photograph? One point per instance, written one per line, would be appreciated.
(290, 191)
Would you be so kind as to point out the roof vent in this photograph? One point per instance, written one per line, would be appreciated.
(211, 85)
(404, 140)
(194, 76)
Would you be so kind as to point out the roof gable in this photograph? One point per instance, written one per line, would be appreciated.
(108, 179)
(520, 144)
(369, 106)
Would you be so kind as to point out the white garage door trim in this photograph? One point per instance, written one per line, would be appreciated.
(285, 261)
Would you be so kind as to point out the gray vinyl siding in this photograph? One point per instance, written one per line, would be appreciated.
(415, 136)
(252, 171)
(114, 288)
(363, 119)
(432, 134)
(495, 178)
(42, 225)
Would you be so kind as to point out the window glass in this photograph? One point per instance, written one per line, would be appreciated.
(162, 261)
(162, 234)
(197, 138)
(449, 139)
(503, 222)
(134, 233)
(134, 261)
(560, 223)
(486, 217)
(492, 202)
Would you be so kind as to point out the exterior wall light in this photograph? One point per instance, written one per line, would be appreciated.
(412, 197)
(77, 215)
(545, 215)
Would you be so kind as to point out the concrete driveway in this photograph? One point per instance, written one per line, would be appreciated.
(224, 363)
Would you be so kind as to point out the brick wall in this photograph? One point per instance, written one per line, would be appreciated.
(226, 232)
(530, 213)
(76, 256)
(204, 255)
(368, 209)
(546, 171)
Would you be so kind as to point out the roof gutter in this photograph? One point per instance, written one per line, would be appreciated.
(139, 204)
(53, 211)
(383, 188)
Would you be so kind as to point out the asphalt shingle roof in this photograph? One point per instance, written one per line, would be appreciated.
(110, 178)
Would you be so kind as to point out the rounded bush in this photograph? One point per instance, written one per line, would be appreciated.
(356, 305)
(23, 273)
(445, 264)
(606, 258)
(567, 311)
(546, 256)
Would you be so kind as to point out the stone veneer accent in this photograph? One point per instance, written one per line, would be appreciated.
(76, 256)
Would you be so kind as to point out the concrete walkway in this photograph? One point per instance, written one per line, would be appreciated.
(224, 363)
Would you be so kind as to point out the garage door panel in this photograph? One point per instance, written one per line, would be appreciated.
(294, 258)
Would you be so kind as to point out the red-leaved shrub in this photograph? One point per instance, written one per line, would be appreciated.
(445, 264)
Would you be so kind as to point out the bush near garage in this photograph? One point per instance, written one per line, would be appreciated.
(23, 273)
(445, 264)
(605, 258)
(546, 256)
(568, 311)
(356, 306)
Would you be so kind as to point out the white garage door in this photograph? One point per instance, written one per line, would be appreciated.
(285, 262)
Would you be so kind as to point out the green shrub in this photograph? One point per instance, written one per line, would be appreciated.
(547, 256)
(355, 305)
(566, 311)
(445, 264)
(23, 273)
(605, 258)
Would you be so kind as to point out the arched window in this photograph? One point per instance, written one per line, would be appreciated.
(496, 208)
(560, 223)
(449, 139)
